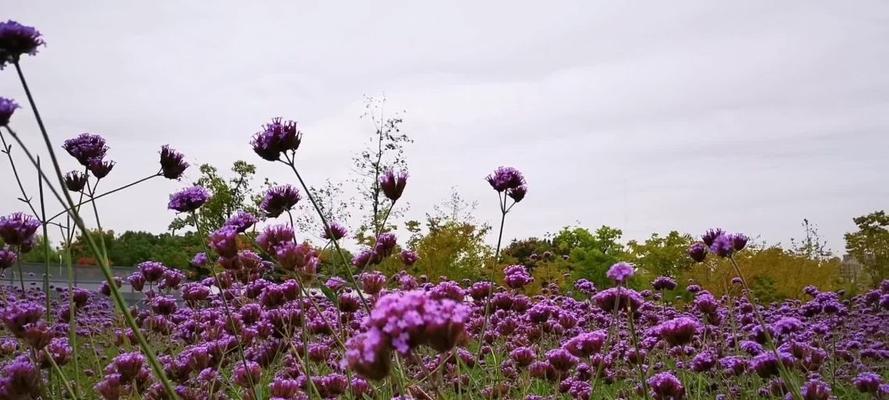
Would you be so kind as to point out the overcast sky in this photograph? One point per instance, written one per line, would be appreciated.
(645, 116)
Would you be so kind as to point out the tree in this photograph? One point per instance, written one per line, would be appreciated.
(662, 255)
(811, 246)
(870, 244)
(385, 150)
(453, 245)
(590, 253)
(229, 196)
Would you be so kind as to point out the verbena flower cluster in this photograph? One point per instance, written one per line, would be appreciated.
(261, 324)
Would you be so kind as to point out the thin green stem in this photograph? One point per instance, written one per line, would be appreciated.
(56, 368)
(99, 196)
(106, 270)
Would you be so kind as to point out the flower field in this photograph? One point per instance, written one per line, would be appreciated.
(266, 316)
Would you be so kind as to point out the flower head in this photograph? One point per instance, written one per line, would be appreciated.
(678, 331)
(17, 39)
(188, 199)
(711, 235)
(100, 168)
(621, 271)
(517, 276)
(723, 246)
(335, 232)
(505, 178)
(392, 184)
(7, 257)
(172, 163)
(275, 138)
(241, 221)
(75, 181)
(18, 228)
(224, 241)
(279, 199)
(517, 193)
(7, 107)
(618, 297)
(697, 251)
(409, 257)
(274, 236)
(666, 386)
(663, 283)
(86, 147)
(368, 354)
(739, 241)
(586, 344)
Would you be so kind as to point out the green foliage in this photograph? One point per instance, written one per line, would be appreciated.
(131, 248)
(662, 255)
(36, 254)
(590, 253)
(870, 244)
(229, 196)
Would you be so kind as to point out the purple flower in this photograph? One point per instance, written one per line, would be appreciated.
(136, 281)
(17, 39)
(85, 148)
(618, 297)
(561, 359)
(409, 257)
(21, 379)
(273, 236)
(7, 108)
(413, 318)
(127, 365)
(372, 282)
(275, 138)
(188, 199)
(75, 181)
(364, 258)
(516, 276)
(722, 246)
(368, 354)
(585, 286)
(200, 259)
(241, 221)
(279, 199)
(678, 331)
(505, 178)
(663, 283)
(868, 382)
(152, 271)
(247, 376)
(7, 257)
(224, 241)
(172, 163)
(739, 241)
(665, 386)
(392, 183)
(100, 168)
(385, 245)
(518, 193)
(621, 271)
(710, 236)
(335, 232)
(816, 389)
(586, 344)
(697, 251)
(18, 228)
(300, 258)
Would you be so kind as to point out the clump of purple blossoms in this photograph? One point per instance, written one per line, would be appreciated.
(665, 386)
(275, 138)
(173, 163)
(663, 283)
(678, 331)
(17, 39)
(7, 108)
(335, 232)
(18, 228)
(409, 257)
(516, 276)
(75, 181)
(392, 184)
(100, 168)
(505, 178)
(86, 148)
(241, 221)
(621, 271)
(7, 257)
(188, 199)
(279, 199)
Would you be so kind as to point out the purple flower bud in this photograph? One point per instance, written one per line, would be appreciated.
(722, 246)
(17, 39)
(100, 168)
(7, 108)
(335, 232)
(392, 183)
(711, 236)
(663, 283)
(276, 137)
(518, 193)
(621, 271)
(697, 251)
(173, 163)
(274, 236)
(504, 178)
(86, 148)
(739, 241)
(75, 181)
(409, 257)
(188, 199)
(18, 228)
(665, 386)
(7, 257)
(279, 199)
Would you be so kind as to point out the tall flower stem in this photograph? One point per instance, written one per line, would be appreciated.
(789, 379)
(99, 196)
(326, 224)
(18, 266)
(56, 368)
(106, 269)
(45, 246)
(503, 210)
(608, 340)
